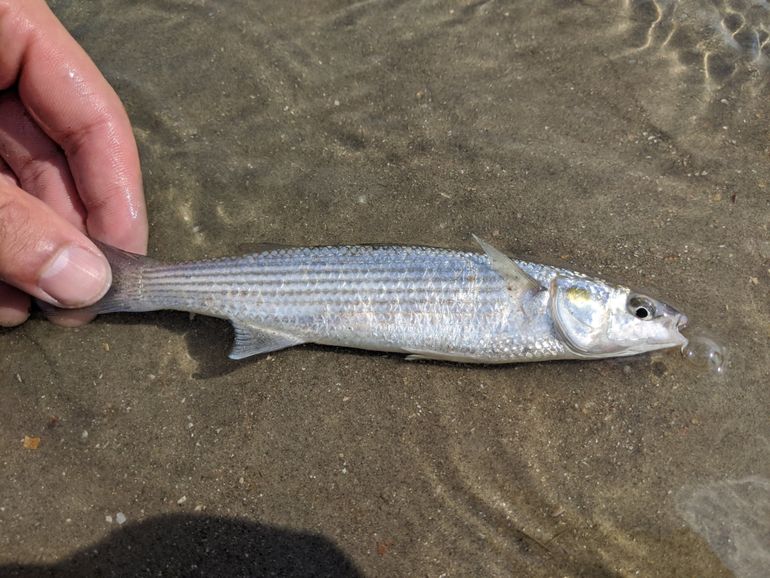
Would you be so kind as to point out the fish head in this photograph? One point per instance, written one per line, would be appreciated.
(596, 319)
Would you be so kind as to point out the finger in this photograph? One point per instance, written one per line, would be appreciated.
(65, 317)
(38, 162)
(46, 257)
(14, 306)
(6, 175)
(71, 101)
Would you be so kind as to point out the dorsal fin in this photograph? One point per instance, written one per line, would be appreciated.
(518, 280)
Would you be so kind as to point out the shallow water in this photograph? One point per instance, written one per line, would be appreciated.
(628, 139)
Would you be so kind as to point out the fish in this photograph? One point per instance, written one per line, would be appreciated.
(424, 302)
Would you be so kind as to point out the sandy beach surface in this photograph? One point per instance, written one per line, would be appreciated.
(629, 139)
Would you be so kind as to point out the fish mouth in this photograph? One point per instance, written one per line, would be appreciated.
(681, 323)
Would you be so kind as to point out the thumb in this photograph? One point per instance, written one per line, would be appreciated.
(45, 256)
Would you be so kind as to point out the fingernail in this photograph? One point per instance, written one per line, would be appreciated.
(75, 277)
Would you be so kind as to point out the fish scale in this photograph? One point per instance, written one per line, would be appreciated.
(428, 302)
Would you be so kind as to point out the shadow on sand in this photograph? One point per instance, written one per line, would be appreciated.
(191, 545)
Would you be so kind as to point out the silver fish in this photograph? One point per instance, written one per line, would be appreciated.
(425, 302)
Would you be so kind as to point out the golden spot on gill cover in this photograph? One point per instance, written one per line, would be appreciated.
(578, 294)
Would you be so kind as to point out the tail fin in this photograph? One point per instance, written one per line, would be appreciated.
(125, 293)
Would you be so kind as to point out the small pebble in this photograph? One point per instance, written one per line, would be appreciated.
(181, 500)
(31, 442)
(120, 518)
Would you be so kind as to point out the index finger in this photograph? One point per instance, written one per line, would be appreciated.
(72, 102)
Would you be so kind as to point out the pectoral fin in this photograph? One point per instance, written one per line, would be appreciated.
(255, 340)
(519, 282)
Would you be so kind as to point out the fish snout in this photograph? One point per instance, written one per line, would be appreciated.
(676, 317)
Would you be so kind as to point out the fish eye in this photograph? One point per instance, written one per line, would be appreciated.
(641, 307)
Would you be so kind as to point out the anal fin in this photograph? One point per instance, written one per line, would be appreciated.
(427, 355)
(251, 340)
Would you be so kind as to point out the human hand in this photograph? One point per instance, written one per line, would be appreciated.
(68, 167)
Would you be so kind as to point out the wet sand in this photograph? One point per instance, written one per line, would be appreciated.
(628, 140)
